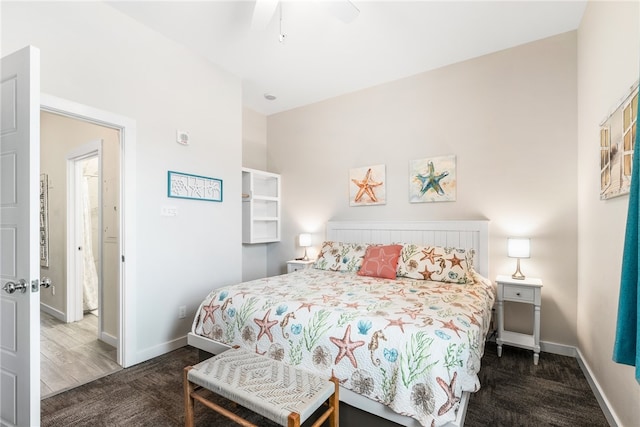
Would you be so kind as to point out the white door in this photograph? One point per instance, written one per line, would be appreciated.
(19, 239)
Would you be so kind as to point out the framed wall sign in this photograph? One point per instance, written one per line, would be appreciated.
(186, 186)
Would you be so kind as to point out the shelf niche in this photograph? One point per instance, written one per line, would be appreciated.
(260, 206)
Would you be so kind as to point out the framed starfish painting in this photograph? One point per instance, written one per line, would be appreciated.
(367, 186)
(432, 180)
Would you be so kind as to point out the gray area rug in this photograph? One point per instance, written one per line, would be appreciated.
(514, 392)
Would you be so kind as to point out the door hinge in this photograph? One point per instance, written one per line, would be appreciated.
(122, 258)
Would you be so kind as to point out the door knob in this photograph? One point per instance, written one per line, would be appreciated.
(11, 287)
(45, 282)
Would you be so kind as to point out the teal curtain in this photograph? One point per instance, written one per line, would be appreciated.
(627, 344)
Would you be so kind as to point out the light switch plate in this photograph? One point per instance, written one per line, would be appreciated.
(169, 211)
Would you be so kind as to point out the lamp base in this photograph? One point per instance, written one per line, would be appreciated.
(305, 257)
(518, 274)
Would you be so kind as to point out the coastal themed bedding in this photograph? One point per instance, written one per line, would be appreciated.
(412, 344)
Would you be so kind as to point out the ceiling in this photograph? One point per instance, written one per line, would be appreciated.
(322, 56)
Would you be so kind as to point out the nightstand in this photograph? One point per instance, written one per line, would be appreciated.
(526, 291)
(298, 264)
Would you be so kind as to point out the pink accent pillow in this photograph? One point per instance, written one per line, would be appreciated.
(380, 261)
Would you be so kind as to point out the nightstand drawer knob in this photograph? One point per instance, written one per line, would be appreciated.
(518, 294)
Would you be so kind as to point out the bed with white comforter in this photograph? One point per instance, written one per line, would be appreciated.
(412, 345)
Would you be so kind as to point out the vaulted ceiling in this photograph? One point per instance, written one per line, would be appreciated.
(322, 55)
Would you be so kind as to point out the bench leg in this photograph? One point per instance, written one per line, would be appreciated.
(332, 413)
(188, 400)
(293, 420)
(334, 402)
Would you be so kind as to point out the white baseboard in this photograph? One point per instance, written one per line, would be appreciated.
(560, 349)
(160, 349)
(53, 311)
(609, 414)
(109, 339)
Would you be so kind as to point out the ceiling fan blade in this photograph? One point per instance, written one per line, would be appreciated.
(262, 14)
(344, 10)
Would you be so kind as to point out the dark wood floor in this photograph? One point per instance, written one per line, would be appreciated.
(514, 392)
(71, 354)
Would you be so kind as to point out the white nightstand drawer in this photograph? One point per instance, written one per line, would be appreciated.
(514, 293)
(297, 264)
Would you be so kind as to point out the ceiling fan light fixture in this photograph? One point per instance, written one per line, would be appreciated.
(344, 10)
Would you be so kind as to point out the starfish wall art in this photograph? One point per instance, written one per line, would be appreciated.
(432, 180)
(367, 186)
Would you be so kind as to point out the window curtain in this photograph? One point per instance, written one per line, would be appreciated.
(626, 348)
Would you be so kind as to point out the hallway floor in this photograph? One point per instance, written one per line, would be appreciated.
(71, 354)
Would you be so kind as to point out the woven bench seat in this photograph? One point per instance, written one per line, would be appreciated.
(282, 393)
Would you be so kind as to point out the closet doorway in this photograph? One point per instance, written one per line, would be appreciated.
(84, 237)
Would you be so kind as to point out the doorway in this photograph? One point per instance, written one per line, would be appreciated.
(126, 246)
(89, 242)
(81, 310)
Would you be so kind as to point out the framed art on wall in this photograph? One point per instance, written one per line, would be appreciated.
(186, 186)
(617, 139)
(44, 220)
(432, 179)
(367, 186)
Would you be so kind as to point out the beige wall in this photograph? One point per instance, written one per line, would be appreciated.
(254, 156)
(510, 119)
(59, 135)
(608, 56)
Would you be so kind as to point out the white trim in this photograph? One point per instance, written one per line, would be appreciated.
(560, 349)
(52, 311)
(127, 322)
(109, 339)
(607, 409)
(163, 348)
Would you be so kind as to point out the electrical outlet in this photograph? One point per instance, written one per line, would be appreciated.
(182, 312)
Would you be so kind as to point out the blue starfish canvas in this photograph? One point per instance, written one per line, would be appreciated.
(432, 180)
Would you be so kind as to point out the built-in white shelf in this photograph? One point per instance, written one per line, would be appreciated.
(260, 206)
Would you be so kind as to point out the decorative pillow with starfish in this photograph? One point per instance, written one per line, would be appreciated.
(380, 261)
(339, 256)
(437, 263)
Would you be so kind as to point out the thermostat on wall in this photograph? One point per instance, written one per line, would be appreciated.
(182, 137)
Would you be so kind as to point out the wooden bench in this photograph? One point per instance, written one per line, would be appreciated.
(284, 394)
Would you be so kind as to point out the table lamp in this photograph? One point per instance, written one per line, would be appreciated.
(518, 248)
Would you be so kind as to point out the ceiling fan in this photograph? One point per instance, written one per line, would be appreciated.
(264, 10)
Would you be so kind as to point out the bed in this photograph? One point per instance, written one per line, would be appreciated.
(405, 345)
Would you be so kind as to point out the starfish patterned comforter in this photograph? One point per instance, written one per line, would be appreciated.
(412, 345)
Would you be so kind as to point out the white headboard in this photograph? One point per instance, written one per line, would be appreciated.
(459, 234)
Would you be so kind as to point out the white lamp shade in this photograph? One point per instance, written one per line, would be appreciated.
(518, 247)
(304, 240)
